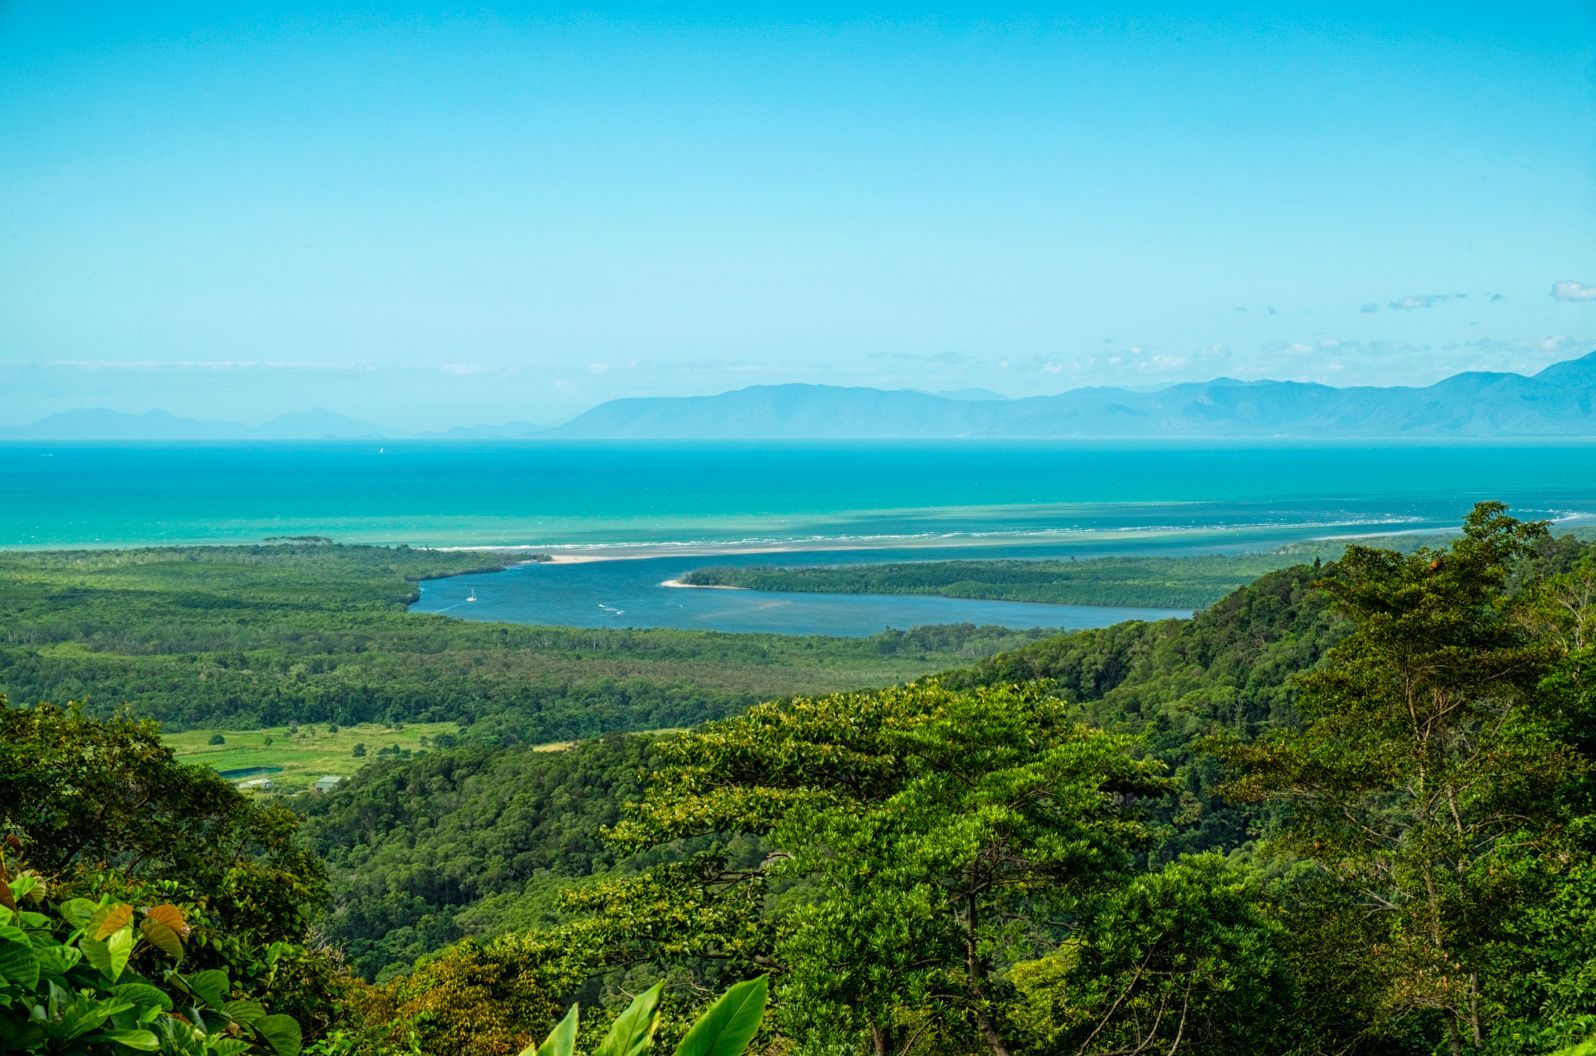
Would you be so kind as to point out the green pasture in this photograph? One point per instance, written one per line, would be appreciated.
(304, 753)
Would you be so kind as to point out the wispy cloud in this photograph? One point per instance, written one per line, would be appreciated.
(1569, 290)
(197, 364)
(1413, 302)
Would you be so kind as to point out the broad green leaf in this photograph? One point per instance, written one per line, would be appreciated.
(57, 1001)
(281, 1033)
(730, 1024)
(23, 886)
(143, 995)
(142, 1040)
(230, 1047)
(78, 911)
(58, 960)
(561, 1040)
(121, 947)
(116, 949)
(210, 986)
(19, 964)
(245, 1011)
(161, 937)
(632, 1033)
(85, 1014)
(110, 956)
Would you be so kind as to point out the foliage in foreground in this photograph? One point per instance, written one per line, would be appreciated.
(97, 978)
(725, 1029)
(105, 811)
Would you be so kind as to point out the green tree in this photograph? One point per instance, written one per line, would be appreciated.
(105, 810)
(91, 797)
(99, 978)
(1427, 777)
(936, 837)
(1185, 959)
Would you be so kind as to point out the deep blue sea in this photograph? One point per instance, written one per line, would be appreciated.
(675, 501)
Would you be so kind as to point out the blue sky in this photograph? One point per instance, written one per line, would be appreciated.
(435, 214)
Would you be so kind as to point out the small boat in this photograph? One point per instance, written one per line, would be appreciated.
(473, 595)
(612, 610)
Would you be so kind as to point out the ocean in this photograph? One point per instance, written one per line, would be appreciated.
(669, 507)
(579, 496)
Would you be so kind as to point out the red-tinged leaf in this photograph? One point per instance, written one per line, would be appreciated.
(169, 915)
(110, 920)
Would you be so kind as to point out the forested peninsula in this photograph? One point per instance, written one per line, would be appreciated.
(1143, 582)
(1344, 809)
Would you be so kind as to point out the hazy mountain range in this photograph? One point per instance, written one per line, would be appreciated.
(97, 423)
(1556, 401)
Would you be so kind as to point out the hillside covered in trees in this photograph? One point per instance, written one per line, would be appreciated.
(1346, 809)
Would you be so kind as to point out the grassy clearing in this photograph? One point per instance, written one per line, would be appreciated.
(305, 754)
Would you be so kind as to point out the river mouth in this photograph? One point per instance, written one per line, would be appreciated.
(635, 593)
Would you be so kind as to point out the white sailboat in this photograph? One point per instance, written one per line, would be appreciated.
(473, 595)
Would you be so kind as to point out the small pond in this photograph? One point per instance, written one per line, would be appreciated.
(244, 773)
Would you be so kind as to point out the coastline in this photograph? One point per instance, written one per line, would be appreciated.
(1129, 541)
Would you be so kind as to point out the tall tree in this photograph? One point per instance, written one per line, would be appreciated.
(934, 838)
(1427, 775)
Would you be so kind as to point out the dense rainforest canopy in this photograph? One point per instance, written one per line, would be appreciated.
(1347, 809)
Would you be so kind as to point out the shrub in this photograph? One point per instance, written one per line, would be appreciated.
(90, 978)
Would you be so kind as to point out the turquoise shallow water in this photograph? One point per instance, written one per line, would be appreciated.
(582, 494)
(818, 502)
